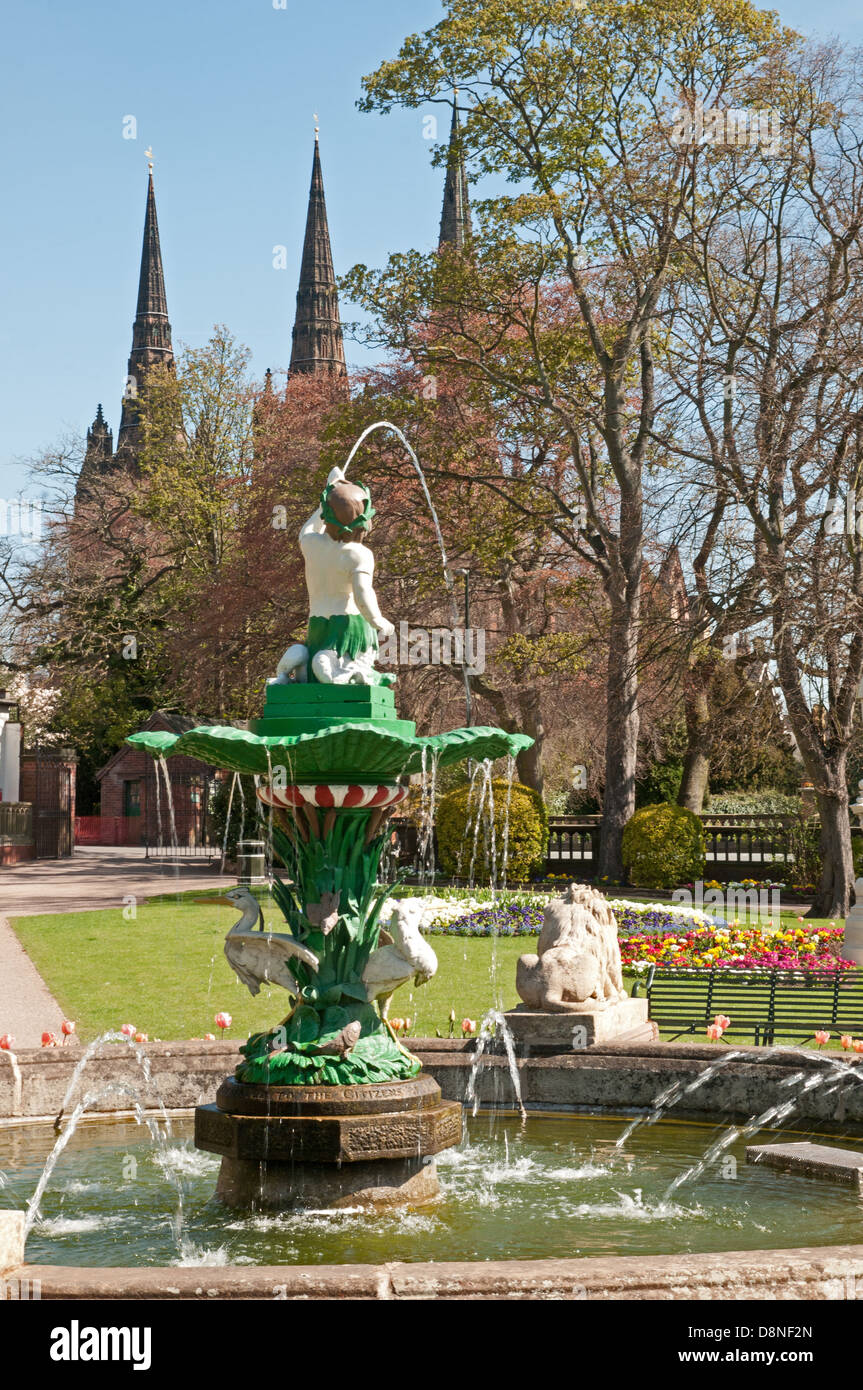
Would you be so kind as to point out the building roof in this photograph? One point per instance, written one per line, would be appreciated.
(162, 719)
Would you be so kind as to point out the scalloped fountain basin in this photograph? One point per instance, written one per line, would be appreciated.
(113, 1200)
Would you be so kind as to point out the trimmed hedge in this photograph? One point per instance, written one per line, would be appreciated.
(662, 846)
(528, 833)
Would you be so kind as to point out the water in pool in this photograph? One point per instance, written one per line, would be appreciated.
(553, 1186)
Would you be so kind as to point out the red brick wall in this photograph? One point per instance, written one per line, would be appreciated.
(136, 765)
(16, 854)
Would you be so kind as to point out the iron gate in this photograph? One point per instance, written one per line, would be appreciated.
(52, 806)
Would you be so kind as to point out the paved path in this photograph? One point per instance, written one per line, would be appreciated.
(94, 877)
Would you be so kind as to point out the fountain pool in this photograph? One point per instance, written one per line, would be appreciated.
(553, 1186)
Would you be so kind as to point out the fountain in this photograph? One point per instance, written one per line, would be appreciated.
(625, 1150)
(329, 1108)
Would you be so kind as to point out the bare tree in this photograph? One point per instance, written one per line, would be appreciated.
(768, 353)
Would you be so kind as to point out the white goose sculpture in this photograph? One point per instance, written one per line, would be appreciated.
(404, 955)
(255, 955)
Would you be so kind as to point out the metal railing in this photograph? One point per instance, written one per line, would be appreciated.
(182, 851)
(16, 820)
(737, 846)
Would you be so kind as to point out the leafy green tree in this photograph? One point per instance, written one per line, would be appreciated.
(562, 307)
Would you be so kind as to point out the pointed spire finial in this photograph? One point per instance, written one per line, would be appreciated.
(148, 155)
(151, 332)
(97, 456)
(317, 128)
(455, 228)
(317, 348)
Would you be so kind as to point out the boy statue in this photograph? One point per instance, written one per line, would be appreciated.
(344, 618)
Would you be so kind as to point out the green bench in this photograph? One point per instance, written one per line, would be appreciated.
(784, 1003)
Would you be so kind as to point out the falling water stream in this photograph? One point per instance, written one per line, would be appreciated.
(448, 579)
(157, 1121)
(162, 764)
(234, 781)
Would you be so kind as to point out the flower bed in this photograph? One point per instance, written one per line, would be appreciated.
(637, 917)
(668, 935)
(520, 914)
(737, 948)
(512, 920)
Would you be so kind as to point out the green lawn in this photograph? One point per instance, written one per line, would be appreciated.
(166, 972)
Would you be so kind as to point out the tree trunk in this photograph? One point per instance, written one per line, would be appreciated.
(528, 720)
(621, 743)
(837, 860)
(529, 762)
(696, 763)
(826, 767)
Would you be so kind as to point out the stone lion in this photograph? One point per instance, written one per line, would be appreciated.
(577, 965)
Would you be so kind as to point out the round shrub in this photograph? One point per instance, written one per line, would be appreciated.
(527, 841)
(663, 846)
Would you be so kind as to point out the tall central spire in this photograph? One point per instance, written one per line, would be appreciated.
(455, 226)
(317, 346)
(151, 334)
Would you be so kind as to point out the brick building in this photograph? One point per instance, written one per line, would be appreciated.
(134, 808)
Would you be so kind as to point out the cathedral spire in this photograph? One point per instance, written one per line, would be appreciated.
(97, 456)
(317, 347)
(99, 438)
(455, 227)
(151, 333)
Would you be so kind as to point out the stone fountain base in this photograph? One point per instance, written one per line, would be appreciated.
(579, 1026)
(328, 1146)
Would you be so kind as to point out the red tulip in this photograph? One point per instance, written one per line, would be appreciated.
(223, 1020)
(7, 1042)
(128, 1030)
(49, 1040)
(209, 1037)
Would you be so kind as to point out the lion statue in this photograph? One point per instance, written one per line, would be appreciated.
(577, 965)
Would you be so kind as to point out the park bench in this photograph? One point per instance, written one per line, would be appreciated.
(767, 1004)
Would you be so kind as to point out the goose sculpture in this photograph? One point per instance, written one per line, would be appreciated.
(403, 955)
(255, 955)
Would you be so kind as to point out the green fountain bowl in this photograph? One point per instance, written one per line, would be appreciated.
(347, 752)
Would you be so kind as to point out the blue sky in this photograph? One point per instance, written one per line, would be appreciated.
(224, 92)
